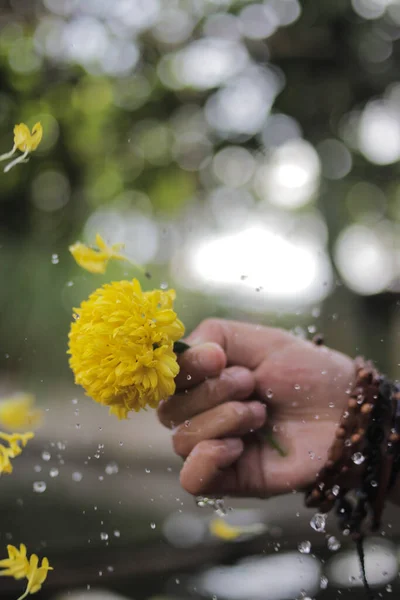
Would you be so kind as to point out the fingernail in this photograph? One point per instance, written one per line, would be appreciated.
(242, 378)
(233, 445)
(259, 411)
(209, 355)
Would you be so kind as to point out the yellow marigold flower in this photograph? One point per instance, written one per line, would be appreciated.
(18, 565)
(13, 449)
(224, 531)
(121, 346)
(17, 412)
(96, 261)
(25, 141)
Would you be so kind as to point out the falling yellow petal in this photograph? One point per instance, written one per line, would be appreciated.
(18, 565)
(25, 141)
(13, 449)
(17, 412)
(96, 261)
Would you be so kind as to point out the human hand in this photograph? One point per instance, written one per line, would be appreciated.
(236, 378)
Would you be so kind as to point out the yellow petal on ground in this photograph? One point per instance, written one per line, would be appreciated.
(224, 531)
(17, 412)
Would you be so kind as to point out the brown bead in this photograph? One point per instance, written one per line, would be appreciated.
(340, 432)
(367, 408)
(352, 404)
(355, 438)
(394, 437)
(318, 339)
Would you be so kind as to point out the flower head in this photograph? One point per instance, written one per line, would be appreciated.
(17, 412)
(96, 261)
(121, 346)
(25, 141)
(18, 565)
(13, 449)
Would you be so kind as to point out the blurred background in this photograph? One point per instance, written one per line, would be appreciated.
(247, 152)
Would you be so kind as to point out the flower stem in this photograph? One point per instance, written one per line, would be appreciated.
(272, 441)
(16, 161)
(8, 154)
(24, 595)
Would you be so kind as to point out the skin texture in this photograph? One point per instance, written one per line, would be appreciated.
(237, 378)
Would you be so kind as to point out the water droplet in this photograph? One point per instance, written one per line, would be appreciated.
(164, 285)
(153, 525)
(312, 329)
(269, 393)
(37, 468)
(188, 377)
(147, 470)
(187, 423)
(358, 458)
(70, 283)
(111, 468)
(332, 543)
(110, 569)
(104, 536)
(74, 401)
(331, 405)
(39, 486)
(61, 445)
(335, 490)
(304, 547)
(374, 484)
(318, 521)
(297, 386)
(388, 588)
(117, 533)
(311, 454)
(53, 472)
(46, 455)
(121, 443)
(54, 259)
(77, 476)
(78, 425)
(323, 583)
(347, 443)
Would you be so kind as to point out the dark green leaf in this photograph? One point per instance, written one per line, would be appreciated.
(180, 347)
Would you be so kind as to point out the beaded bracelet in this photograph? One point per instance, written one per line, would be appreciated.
(364, 459)
(365, 454)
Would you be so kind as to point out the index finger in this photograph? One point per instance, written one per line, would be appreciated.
(198, 363)
(244, 344)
